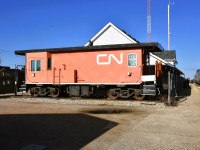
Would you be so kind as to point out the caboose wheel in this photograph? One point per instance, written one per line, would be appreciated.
(139, 97)
(31, 91)
(35, 92)
(112, 94)
(55, 92)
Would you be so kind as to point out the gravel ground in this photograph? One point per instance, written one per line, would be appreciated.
(78, 101)
(43, 123)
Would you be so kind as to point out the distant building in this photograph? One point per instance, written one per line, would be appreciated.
(8, 77)
(197, 77)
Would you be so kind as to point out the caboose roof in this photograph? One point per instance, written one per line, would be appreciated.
(153, 47)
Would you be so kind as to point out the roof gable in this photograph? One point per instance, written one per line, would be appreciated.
(154, 58)
(168, 56)
(109, 35)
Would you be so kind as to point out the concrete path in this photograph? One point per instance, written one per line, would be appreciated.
(176, 129)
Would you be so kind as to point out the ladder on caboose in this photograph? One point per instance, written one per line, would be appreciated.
(56, 76)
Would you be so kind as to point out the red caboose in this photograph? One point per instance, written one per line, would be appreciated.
(116, 71)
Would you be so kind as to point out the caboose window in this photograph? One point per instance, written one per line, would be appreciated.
(49, 63)
(32, 65)
(35, 65)
(132, 60)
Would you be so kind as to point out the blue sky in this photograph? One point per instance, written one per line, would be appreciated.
(32, 24)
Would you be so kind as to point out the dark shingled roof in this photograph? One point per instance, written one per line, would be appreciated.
(166, 55)
(153, 46)
(129, 35)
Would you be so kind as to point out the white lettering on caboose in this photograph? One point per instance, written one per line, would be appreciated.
(109, 58)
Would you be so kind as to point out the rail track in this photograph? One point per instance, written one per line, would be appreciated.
(147, 99)
(103, 101)
(147, 103)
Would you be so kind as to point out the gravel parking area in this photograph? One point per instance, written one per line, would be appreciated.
(42, 123)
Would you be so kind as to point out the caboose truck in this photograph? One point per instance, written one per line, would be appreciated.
(114, 71)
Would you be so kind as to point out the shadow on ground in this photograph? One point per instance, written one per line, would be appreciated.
(107, 111)
(54, 131)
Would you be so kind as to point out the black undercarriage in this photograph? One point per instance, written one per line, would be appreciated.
(137, 92)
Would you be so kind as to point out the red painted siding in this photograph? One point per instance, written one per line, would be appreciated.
(88, 65)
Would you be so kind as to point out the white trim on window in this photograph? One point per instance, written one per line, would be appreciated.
(133, 61)
(35, 65)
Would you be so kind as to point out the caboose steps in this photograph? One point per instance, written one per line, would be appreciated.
(149, 90)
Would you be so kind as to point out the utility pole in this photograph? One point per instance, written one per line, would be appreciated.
(169, 33)
(148, 20)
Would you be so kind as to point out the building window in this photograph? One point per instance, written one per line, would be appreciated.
(4, 83)
(8, 82)
(132, 60)
(35, 65)
(49, 63)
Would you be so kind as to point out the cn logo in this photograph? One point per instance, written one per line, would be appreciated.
(101, 59)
